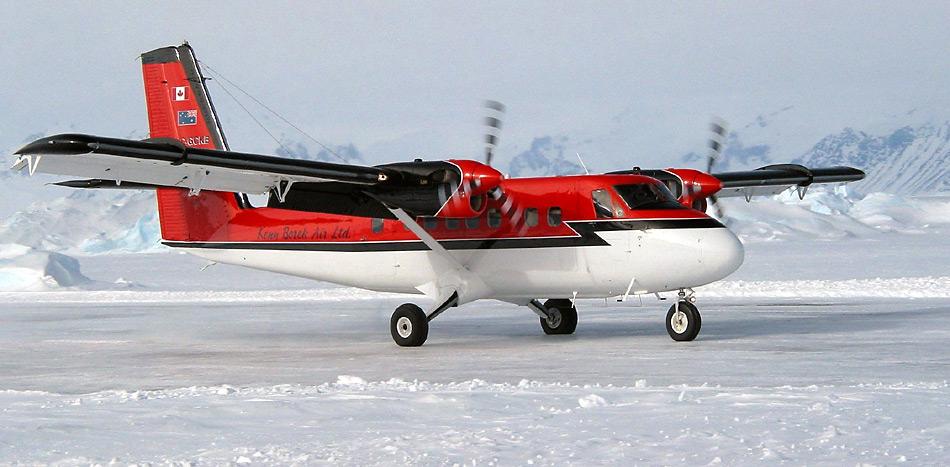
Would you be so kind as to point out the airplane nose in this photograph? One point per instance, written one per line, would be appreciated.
(693, 257)
(722, 252)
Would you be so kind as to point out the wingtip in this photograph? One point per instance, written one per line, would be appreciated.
(854, 171)
(19, 164)
(66, 143)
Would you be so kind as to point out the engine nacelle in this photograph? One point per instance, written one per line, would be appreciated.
(697, 186)
(454, 188)
(470, 195)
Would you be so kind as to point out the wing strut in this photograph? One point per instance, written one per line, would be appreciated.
(449, 276)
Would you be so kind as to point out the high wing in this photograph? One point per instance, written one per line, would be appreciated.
(422, 188)
(166, 162)
(774, 179)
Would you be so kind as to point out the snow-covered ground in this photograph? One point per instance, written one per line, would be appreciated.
(817, 351)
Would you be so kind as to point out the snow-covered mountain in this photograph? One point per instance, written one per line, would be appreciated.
(309, 150)
(87, 222)
(546, 156)
(736, 155)
(906, 159)
(910, 160)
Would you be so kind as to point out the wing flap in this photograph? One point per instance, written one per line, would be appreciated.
(166, 163)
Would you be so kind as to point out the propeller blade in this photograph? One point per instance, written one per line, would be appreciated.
(495, 105)
(717, 208)
(492, 122)
(509, 208)
(717, 142)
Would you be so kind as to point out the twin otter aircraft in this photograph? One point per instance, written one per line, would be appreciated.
(454, 230)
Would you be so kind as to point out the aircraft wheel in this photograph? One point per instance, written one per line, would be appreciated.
(409, 325)
(562, 317)
(684, 324)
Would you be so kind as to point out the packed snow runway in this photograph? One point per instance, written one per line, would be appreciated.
(795, 362)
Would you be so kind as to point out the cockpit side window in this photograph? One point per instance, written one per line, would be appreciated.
(603, 204)
(648, 196)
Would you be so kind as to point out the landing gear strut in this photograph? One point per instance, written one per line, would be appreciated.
(409, 325)
(683, 321)
(558, 316)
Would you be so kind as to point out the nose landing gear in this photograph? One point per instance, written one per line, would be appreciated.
(683, 320)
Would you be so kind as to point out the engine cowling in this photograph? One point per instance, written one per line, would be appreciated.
(453, 188)
(697, 186)
(470, 196)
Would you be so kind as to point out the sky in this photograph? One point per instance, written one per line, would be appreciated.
(406, 79)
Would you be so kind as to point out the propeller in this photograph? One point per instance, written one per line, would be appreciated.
(495, 110)
(717, 142)
(509, 208)
(457, 192)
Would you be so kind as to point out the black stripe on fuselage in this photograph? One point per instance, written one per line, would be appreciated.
(651, 224)
(587, 236)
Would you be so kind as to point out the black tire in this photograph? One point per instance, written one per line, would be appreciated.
(699, 319)
(565, 321)
(409, 326)
(688, 324)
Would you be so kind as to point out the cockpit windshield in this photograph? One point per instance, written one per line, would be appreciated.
(648, 196)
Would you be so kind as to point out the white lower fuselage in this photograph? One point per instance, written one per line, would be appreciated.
(635, 262)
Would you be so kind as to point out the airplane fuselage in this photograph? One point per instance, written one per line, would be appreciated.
(551, 242)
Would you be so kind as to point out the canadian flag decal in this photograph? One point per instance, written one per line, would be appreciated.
(180, 93)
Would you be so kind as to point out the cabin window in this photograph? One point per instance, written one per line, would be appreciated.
(494, 218)
(603, 204)
(377, 225)
(452, 224)
(648, 196)
(472, 223)
(554, 216)
(430, 223)
(531, 217)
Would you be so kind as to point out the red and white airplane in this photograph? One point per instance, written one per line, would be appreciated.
(454, 230)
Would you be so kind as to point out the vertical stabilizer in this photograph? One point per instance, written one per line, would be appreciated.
(179, 108)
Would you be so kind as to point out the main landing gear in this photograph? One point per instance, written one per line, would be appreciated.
(683, 320)
(409, 325)
(558, 315)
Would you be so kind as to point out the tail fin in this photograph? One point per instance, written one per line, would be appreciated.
(179, 108)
